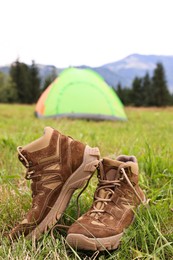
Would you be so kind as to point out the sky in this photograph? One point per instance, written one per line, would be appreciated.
(83, 32)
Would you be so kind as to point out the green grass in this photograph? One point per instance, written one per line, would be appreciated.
(148, 135)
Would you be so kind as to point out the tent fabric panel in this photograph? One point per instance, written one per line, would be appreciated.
(90, 100)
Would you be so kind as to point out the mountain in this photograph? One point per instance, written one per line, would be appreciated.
(46, 70)
(123, 71)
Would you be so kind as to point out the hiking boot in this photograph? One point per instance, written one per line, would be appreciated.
(116, 197)
(57, 165)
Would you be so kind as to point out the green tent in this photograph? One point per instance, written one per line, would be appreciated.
(80, 93)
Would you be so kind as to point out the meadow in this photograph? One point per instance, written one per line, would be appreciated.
(148, 134)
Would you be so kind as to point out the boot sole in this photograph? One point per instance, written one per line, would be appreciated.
(79, 241)
(75, 181)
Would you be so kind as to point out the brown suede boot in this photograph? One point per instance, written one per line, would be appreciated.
(57, 166)
(115, 199)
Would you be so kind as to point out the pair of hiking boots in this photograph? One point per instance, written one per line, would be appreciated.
(58, 165)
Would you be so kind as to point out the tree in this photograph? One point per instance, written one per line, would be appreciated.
(19, 73)
(8, 92)
(147, 93)
(124, 94)
(27, 81)
(34, 83)
(119, 91)
(159, 87)
(171, 100)
(137, 95)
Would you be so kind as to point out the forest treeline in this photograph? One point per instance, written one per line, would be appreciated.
(147, 91)
(24, 85)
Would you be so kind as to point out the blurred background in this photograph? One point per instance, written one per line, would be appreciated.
(128, 43)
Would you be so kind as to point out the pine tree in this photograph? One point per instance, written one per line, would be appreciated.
(127, 96)
(119, 91)
(124, 94)
(8, 93)
(34, 83)
(147, 90)
(159, 87)
(19, 73)
(137, 95)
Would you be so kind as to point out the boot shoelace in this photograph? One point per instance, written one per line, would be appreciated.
(107, 186)
(29, 173)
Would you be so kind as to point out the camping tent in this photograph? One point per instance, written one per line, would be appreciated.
(80, 93)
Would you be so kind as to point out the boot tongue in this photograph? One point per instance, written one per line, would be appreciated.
(110, 169)
(109, 174)
(40, 143)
